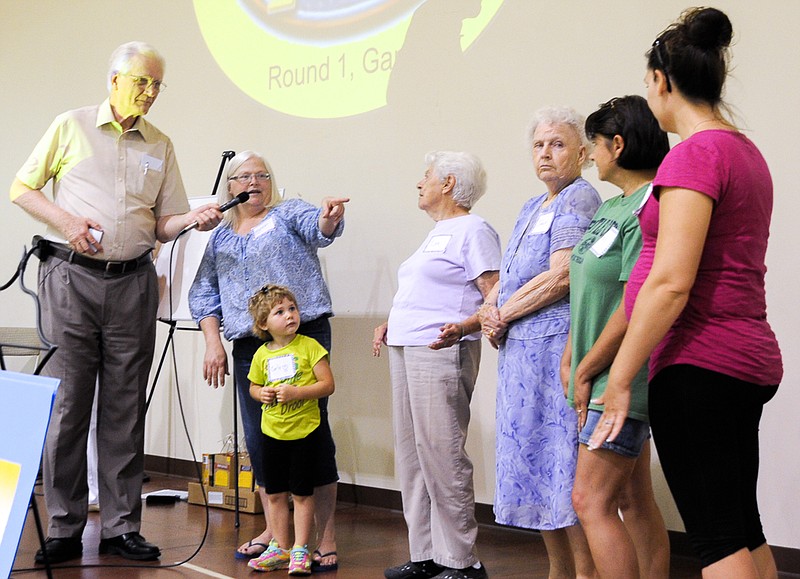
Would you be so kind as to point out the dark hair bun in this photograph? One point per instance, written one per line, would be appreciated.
(707, 28)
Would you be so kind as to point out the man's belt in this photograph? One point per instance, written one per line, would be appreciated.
(47, 248)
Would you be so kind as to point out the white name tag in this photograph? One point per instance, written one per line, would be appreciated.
(437, 244)
(151, 163)
(645, 197)
(281, 368)
(543, 223)
(601, 246)
(264, 227)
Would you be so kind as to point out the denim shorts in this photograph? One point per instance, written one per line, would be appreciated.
(629, 441)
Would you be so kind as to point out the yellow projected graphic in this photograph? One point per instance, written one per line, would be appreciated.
(321, 59)
(9, 479)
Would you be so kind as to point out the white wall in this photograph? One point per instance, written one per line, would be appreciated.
(534, 53)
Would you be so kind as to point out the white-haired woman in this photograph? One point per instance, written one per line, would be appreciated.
(434, 353)
(527, 317)
(267, 241)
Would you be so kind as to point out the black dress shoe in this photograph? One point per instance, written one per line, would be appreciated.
(414, 570)
(59, 550)
(131, 546)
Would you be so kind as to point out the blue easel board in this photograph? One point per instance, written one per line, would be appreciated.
(25, 404)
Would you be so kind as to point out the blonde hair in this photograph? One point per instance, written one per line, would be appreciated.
(261, 304)
(232, 217)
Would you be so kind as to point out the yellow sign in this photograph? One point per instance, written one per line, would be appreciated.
(320, 59)
(9, 480)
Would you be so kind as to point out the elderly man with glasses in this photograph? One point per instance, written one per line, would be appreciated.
(116, 191)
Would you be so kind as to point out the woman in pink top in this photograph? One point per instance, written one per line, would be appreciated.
(700, 306)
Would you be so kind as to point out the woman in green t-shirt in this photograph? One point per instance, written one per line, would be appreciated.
(628, 148)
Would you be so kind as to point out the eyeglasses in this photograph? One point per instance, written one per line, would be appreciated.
(244, 178)
(145, 82)
(657, 51)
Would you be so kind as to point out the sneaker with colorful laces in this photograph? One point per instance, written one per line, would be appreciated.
(300, 561)
(273, 559)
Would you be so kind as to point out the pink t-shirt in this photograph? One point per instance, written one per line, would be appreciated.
(724, 325)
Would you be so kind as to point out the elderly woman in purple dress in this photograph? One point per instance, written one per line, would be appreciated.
(527, 316)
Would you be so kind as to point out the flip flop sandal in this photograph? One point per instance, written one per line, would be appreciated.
(318, 567)
(260, 548)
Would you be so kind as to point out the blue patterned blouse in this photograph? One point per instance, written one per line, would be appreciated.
(282, 249)
(538, 233)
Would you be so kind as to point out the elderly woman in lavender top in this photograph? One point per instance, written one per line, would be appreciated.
(434, 344)
(267, 240)
(526, 315)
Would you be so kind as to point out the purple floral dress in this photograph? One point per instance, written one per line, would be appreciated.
(537, 438)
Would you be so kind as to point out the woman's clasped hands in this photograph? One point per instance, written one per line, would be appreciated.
(491, 325)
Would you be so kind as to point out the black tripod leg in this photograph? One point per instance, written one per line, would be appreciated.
(40, 532)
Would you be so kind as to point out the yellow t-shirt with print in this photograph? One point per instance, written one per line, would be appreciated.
(292, 364)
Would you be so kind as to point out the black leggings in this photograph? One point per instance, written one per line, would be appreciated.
(705, 428)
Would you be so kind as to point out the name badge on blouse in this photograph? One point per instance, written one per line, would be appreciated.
(645, 197)
(543, 223)
(264, 227)
(281, 368)
(150, 163)
(602, 245)
(437, 244)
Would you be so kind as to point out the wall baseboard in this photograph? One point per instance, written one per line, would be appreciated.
(787, 559)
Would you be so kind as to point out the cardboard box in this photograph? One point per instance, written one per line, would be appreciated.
(218, 471)
(222, 470)
(208, 469)
(225, 498)
(246, 477)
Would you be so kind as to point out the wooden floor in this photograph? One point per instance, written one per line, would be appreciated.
(369, 540)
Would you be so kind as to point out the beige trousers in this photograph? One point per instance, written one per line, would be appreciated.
(431, 395)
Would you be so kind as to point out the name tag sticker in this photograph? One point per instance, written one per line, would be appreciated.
(150, 163)
(645, 197)
(264, 227)
(281, 368)
(602, 245)
(437, 244)
(543, 223)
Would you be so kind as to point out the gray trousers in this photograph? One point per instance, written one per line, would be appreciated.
(105, 329)
(431, 393)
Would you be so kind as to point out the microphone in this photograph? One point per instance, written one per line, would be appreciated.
(240, 198)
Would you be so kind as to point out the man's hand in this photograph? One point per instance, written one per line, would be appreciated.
(207, 217)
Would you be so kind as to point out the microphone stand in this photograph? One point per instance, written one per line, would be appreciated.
(173, 325)
(226, 156)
